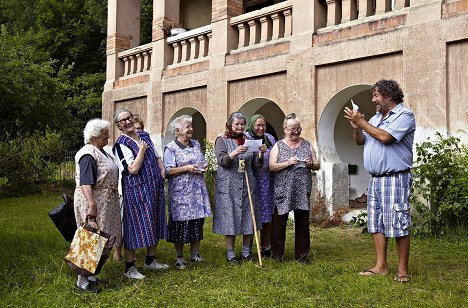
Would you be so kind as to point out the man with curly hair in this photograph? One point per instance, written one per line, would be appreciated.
(388, 157)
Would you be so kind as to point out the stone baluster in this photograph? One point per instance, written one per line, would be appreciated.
(333, 14)
(126, 66)
(382, 6)
(349, 10)
(366, 8)
(138, 63)
(287, 22)
(194, 48)
(146, 58)
(208, 42)
(400, 4)
(265, 29)
(203, 43)
(132, 65)
(277, 26)
(177, 53)
(254, 34)
(185, 51)
(243, 35)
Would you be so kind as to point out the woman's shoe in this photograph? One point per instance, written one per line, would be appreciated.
(90, 288)
(233, 261)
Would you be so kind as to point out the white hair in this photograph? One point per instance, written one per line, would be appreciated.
(177, 123)
(94, 128)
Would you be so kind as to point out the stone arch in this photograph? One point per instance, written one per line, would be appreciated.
(270, 110)
(198, 123)
(335, 138)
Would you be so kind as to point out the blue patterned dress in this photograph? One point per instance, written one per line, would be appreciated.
(144, 213)
(265, 184)
(188, 197)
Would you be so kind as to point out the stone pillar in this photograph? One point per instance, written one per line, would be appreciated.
(193, 48)
(400, 4)
(277, 26)
(254, 33)
(366, 8)
(349, 10)
(177, 53)
(333, 15)
(382, 6)
(243, 35)
(185, 51)
(265, 29)
(203, 43)
(287, 22)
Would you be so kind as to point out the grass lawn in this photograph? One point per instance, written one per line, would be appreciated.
(33, 273)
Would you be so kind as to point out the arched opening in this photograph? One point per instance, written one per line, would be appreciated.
(198, 123)
(270, 110)
(335, 136)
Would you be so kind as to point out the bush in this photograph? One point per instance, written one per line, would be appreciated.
(27, 162)
(440, 192)
(210, 174)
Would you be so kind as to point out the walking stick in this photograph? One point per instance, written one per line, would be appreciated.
(260, 264)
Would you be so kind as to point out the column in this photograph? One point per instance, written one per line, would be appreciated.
(177, 52)
(185, 51)
(193, 48)
(277, 26)
(287, 22)
(203, 43)
(265, 29)
(254, 34)
(243, 35)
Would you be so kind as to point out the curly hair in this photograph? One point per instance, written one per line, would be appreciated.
(94, 128)
(389, 88)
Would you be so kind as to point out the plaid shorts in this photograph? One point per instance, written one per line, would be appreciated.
(388, 207)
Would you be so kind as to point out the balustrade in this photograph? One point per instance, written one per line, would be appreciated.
(136, 60)
(342, 11)
(190, 45)
(265, 25)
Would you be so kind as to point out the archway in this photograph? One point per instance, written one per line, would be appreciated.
(198, 123)
(270, 110)
(335, 136)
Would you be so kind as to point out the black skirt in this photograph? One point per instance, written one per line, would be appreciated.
(186, 231)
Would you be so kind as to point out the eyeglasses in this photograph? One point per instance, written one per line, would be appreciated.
(294, 129)
(123, 121)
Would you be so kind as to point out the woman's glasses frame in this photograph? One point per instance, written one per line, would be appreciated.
(123, 121)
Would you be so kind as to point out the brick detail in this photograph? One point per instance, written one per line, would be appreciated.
(131, 81)
(222, 9)
(186, 69)
(360, 30)
(116, 44)
(258, 53)
(454, 8)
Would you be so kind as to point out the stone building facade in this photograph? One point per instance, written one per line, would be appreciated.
(304, 56)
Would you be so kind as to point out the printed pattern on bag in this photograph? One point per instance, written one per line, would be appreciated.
(86, 249)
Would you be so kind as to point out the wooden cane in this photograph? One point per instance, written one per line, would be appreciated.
(260, 265)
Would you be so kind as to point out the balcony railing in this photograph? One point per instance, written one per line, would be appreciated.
(136, 60)
(268, 24)
(342, 11)
(190, 45)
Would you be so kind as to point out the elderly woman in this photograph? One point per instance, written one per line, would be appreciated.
(189, 203)
(139, 124)
(96, 196)
(291, 161)
(257, 130)
(142, 171)
(232, 215)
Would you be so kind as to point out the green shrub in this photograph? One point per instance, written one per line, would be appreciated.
(210, 174)
(27, 162)
(440, 190)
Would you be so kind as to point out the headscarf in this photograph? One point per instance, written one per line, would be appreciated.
(240, 138)
(250, 129)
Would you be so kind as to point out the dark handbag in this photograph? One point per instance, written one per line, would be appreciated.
(89, 250)
(63, 216)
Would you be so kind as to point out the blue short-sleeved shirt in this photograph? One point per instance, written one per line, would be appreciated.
(397, 156)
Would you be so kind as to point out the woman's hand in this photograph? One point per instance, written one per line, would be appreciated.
(143, 146)
(193, 169)
(240, 150)
(263, 148)
(293, 160)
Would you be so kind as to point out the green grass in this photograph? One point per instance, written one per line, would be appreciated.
(33, 274)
